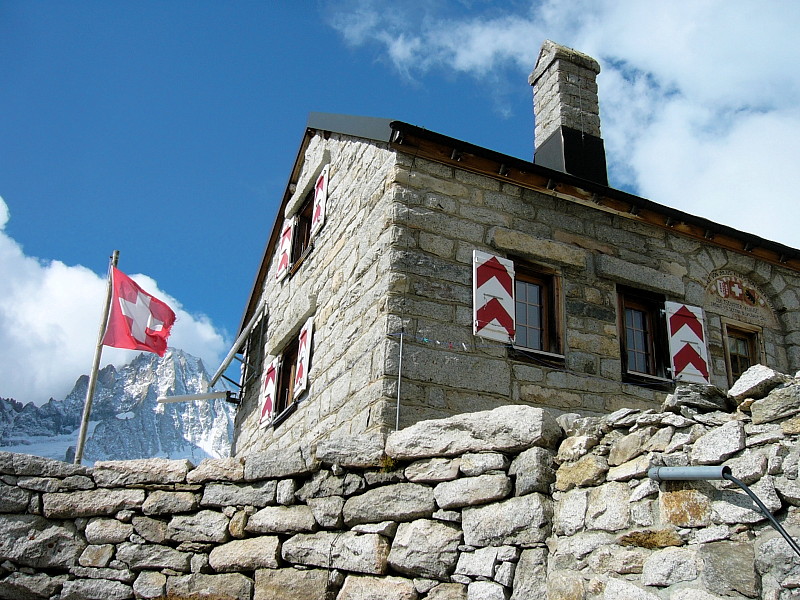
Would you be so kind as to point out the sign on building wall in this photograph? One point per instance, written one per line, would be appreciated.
(687, 343)
(731, 295)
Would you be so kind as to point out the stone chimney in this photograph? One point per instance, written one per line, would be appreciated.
(567, 114)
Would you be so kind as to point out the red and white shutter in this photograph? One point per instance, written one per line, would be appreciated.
(687, 343)
(493, 297)
(320, 201)
(269, 387)
(303, 357)
(285, 249)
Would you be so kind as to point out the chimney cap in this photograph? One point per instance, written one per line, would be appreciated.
(551, 52)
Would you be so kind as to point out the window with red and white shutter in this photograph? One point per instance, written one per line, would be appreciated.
(687, 343)
(493, 297)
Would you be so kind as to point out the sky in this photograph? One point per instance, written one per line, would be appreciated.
(166, 130)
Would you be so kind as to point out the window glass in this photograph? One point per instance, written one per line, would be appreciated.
(537, 326)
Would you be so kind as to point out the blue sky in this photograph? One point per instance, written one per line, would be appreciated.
(166, 130)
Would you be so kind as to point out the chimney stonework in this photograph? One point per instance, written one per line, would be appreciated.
(567, 112)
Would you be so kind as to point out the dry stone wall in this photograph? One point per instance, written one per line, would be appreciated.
(507, 504)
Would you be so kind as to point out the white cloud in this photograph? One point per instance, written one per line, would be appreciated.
(700, 101)
(49, 320)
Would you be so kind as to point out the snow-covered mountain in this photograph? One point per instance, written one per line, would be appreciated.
(127, 421)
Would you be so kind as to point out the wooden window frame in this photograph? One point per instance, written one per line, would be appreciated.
(551, 319)
(657, 343)
(285, 403)
(302, 242)
(754, 336)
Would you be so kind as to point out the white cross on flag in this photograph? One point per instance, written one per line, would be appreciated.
(138, 321)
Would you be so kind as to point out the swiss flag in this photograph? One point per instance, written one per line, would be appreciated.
(137, 321)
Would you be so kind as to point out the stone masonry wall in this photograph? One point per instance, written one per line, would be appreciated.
(343, 283)
(508, 504)
(444, 213)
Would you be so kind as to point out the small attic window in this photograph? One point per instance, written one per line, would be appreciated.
(301, 245)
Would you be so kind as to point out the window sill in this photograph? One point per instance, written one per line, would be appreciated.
(650, 381)
(537, 356)
(283, 415)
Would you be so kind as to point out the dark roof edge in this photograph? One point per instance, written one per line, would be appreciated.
(596, 188)
(371, 128)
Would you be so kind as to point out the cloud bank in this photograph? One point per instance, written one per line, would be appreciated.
(699, 101)
(49, 319)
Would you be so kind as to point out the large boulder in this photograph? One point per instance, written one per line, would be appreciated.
(510, 428)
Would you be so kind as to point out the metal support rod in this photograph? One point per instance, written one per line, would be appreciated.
(238, 343)
(399, 379)
(98, 352)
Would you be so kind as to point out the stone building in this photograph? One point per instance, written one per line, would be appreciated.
(411, 276)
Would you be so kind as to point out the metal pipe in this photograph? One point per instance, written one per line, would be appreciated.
(687, 473)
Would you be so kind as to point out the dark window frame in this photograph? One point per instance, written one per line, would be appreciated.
(656, 345)
(302, 242)
(751, 335)
(551, 318)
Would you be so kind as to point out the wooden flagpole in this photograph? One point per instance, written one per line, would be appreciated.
(98, 352)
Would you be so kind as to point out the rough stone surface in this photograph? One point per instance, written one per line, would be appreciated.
(36, 542)
(276, 463)
(474, 464)
(90, 503)
(433, 470)
(160, 502)
(107, 531)
(203, 526)
(117, 473)
(352, 451)
(670, 566)
(510, 428)
(729, 568)
(291, 584)
(246, 555)
(150, 584)
(362, 553)
(530, 577)
(231, 494)
(217, 469)
(95, 589)
(228, 586)
(469, 491)
(521, 520)
(376, 588)
(152, 556)
(589, 470)
(533, 471)
(779, 403)
(486, 590)
(425, 548)
(607, 507)
(281, 519)
(694, 395)
(719, 444)
(756, 382)
(398, 502)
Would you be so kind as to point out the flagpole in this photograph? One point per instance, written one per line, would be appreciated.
(87, 405)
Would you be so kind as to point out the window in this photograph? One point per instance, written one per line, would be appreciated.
(515, 303)
(642, 334)
(286, 378)
(302, 231)
(298, 231)
(535, 307)
(742, 349)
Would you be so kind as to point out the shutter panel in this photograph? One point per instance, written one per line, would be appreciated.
(687, 343)
(269, 387)
(493, 297)
(320, 201)
(303, 357)
(285, 249)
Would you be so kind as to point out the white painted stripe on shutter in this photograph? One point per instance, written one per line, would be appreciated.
(493, 297)
(687, 343)
(285, 249)
(320, 201)
(303, 357)
(269, 387)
